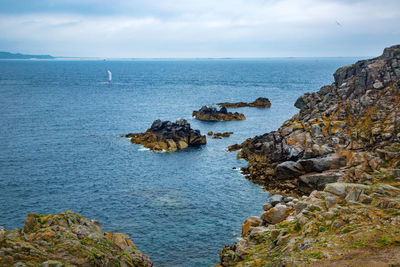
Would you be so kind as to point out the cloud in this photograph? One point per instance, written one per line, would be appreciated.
(178, 28)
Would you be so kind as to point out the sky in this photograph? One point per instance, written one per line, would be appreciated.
(198, 29)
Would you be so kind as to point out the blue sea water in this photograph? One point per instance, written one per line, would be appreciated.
(60, 147)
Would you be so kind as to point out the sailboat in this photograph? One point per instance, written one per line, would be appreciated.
(109, 76)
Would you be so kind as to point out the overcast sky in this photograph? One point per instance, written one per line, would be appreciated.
(201, 28)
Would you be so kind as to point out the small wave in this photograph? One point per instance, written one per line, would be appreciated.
(144, 149)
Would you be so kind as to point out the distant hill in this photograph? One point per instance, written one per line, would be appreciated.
(7, 55)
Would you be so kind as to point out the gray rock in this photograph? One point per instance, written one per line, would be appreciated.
(378, 85)
(287, 170)
(275, 199)
(321, 164)
(301, 102)
(317, 181)
(287, 199)
(341, 189)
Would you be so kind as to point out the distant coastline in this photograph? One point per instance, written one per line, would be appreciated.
(8, 55)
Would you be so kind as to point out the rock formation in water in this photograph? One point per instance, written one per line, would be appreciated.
(219, 135)
(168, 136)
(67, 239)
(212, 114)
(342, 153)
(260, 102)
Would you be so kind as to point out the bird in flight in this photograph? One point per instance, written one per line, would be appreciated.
(337, 22)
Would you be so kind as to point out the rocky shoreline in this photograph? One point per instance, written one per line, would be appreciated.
(67, 239)
(260, 102)
(339, 158)
(334, 169)
(212, 114)
(168, 136)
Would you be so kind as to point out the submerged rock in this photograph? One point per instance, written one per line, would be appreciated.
(168, 136)
(212, 114)
(67, 239)
(260, 102)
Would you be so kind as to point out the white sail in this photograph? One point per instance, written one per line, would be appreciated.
(109, 75)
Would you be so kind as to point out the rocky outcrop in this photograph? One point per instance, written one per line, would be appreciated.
(341, 154)
(352, 125)
(219, 135)
(326, 226)
(67, 239)
(168, 136)
(212, 114)
(260, 102)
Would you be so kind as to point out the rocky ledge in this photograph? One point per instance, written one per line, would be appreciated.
(219, 135)
(212, 114)
(168, 136)
(67, 239)
(260, 102)
(339, 160)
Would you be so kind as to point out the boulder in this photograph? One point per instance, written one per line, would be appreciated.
(320, 164)
(287, 170)
(276, 214)
(317, 181)
(275, 199)
(341, 189)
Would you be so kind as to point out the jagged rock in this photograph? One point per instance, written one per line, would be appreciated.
(168, 136)
(260, 102)
(68, 239)
(212, 114)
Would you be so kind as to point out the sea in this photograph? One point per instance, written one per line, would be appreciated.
(60, 145)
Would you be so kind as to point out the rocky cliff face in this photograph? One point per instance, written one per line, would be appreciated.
(67, 239)
(344, 132)
(340, 159)
(168, 136)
